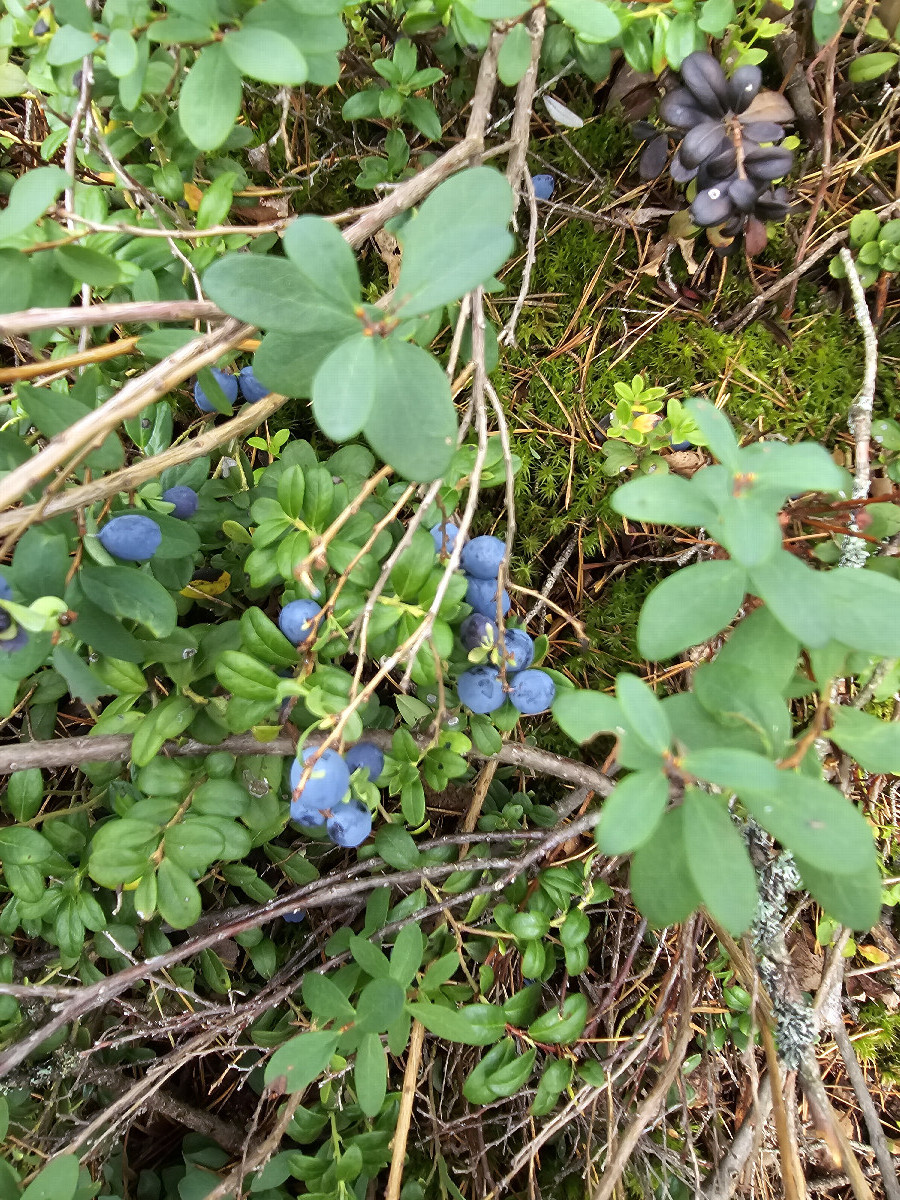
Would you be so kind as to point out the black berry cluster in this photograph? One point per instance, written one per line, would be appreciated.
(728, 129)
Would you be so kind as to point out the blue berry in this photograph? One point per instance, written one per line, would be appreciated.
(681, 445)
(296, 917)
(5, 589)
(482, 557)
(226, 382)
(480, 689)
(519, 649)
(478, 630)
(298, 620)
(444, 537)
(544, 186)
(481, 594)
(185, 500)
(327, 785)
(251, 389)
(133, 537)
(365, 754)
(532, 692)
(350, 824)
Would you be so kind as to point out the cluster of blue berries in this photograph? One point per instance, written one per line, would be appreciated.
(482, 689)
(136, 538)
(324, 799)
(246, 382)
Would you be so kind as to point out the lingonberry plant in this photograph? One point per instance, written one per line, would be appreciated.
(296, 782)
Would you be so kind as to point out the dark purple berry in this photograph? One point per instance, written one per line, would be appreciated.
(185, 500)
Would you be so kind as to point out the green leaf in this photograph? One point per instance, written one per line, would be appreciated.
(394, 844)
(407, 954)
(58, 1180)
(23, 847)
(594, 20)
(470, 212)
(748, 529)
(866, 67)
(370, 1074)
(131, 594)
(556, 1077)
(738, 694)
(89, 266)
(193, 845)
(717, 432)
(380, 1004)
(644, 712)
(796, 596)
(31, 195)
(854, 900)
(760, 638)
(582, 714)
(781, 470)
(715, 16)
(323, 256)
(121, 53)
(244, 676)
(121, 851)
(68, 45)
(52, 412)
(274, 294)
(664, 499)
(13, 81)
(412, 426)
(557, 1027)
(875, 744)
(178, 899)
(372, 960)
(718, 861)
(862, 607)
(470, 1025)
(301, 1060)
(344, 388)
(632, 812)
(210, 99)
(81, 680)
(661, 883)
(690, 606)
(422, 113)
(266, 55)
(865, 227)
(168, 720)
(325, 999)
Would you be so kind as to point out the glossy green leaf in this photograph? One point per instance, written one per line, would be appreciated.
(469, 1025)
(323, 256)
(301, 1060)
(274, 294)
(370, 1074)
(407, 954)
(560, 1026)
(514, 57)
(177, 897)
(380, 1004)
(593, 19)
(325, 1000)
(266, 55)
(582, 714)
(57, 1179)
(129, 593)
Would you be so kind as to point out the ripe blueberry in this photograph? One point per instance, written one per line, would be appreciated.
(365, 754)
(532, 692)
(326, 786)
(480, 689)
(350, 824)
(519, 649)
(478, 630)
(5, 589)
(544, 186)
(482, 557)
(251, 389)
(296, 917)
(298, 620)
(132, 537)
(185, 500)
(226, 382)
(444, 536)
(13, 636)
(481, 594)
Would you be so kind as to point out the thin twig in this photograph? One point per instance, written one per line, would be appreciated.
(404, 1116)
(136, 312)
(877, 1139)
